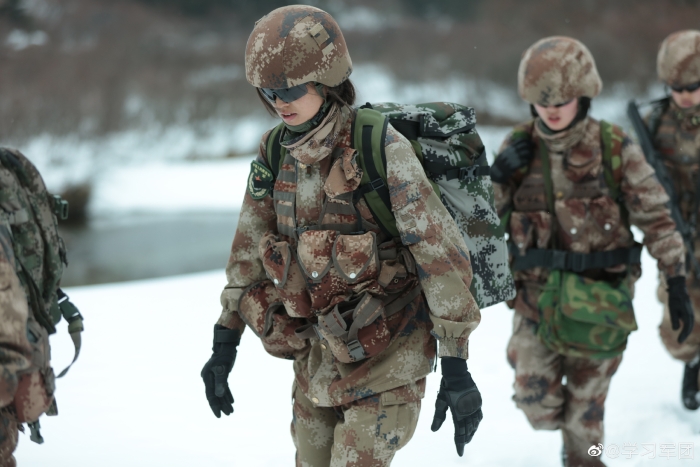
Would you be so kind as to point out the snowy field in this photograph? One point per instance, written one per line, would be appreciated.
(135, 397)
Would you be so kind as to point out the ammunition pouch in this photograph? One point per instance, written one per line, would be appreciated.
(261, 308)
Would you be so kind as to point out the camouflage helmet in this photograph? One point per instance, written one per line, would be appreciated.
(557, 69)
(296, 44)
(678, 62)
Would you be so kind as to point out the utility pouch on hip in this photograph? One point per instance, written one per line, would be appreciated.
(582, 317)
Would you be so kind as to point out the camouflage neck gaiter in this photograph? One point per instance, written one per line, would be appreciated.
(689, 118)
(318, 143)
(560, 141)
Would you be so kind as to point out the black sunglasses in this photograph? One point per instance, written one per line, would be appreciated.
(688, 87)
(285, 94)
(563, 103)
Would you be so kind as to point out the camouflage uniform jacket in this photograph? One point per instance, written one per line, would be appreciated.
(677, 138)
(320, 191)
(587, 219)
(15, 350)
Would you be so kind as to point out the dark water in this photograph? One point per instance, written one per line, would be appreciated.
(141, 247)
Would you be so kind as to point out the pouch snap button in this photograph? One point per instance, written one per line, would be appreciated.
(352, 275)
(607, 226)
(314, 274)
(573, 231)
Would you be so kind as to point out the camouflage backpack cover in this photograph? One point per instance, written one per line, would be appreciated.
(31, 215)
(444, 138)
(581, 317)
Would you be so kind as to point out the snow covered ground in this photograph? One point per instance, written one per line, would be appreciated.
(135, 397)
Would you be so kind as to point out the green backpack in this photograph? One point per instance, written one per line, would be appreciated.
(444, 138)
(581, 317)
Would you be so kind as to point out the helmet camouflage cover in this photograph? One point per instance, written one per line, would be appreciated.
(296, 44)
(557, 69)
(678, 62)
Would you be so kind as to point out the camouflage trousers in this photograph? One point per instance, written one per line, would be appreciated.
(576, 407)
(364, 433)
(691, 346)
(9, 434)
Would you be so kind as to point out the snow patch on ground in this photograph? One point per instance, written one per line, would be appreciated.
(135, 397)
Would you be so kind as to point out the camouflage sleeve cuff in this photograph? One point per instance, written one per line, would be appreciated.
(230, 298)
(231, 320)
(453, 347)
(229, 315)
(453, 336)
(673, 270)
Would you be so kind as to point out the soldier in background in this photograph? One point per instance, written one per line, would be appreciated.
(567, 189)
(674, 124)
(34, 250)
(15, 350)
(309, 256)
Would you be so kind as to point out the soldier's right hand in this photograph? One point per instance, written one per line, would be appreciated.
(679, 307)
(517, 155)
(216, 370)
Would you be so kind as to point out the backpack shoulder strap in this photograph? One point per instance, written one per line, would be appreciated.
(368, 137)
(612, 138)
(275, 152)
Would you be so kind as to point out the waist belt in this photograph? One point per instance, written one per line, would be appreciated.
(576, 262)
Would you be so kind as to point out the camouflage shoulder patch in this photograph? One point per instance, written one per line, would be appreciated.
(260, 180)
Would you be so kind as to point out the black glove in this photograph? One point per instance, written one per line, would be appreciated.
(517, 155)
(459, 393)
(216, 370)
(679, 307)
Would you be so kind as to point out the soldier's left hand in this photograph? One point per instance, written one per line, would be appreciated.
(679, 307)
(459, 393)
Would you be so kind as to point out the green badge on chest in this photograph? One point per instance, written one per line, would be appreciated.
(260, 180)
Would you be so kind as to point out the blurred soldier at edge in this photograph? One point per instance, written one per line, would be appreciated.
(309, 256)
(28, 222)
(15, 350)
(674, 124)
(568, 188)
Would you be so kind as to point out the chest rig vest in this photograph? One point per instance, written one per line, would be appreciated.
(330, 264)
(579, 223)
